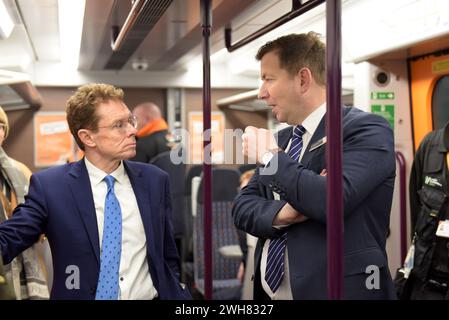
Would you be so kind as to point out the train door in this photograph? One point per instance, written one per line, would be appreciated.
(429, 84)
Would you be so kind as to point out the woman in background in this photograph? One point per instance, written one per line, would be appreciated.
(26, 272)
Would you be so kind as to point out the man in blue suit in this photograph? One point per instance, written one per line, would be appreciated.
(284, 204)
(108, 220)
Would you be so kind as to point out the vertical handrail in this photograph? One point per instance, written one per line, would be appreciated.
(333, 131)
(402, 203)
(206, 24)
(334, 151)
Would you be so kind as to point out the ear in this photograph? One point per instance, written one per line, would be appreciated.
(305, 79)
(86, 137)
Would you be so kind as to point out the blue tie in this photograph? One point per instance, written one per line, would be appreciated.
(274, 272)
(108, 287)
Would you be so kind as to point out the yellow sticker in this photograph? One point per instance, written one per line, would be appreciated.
(440, 66)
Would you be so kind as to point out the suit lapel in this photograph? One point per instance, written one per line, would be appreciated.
(320, 134)
(79, 182)
(284, 136)
(142, 193)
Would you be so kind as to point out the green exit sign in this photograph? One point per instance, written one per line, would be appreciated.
(382, 95)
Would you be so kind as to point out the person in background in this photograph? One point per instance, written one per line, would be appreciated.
(26, 272)
(108, 220)
(244, 179)
(429, 185)
(153, 136)
(247, 245)
(6, 293)
(284, 204)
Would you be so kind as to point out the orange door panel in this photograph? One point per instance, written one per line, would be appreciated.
(424, 74)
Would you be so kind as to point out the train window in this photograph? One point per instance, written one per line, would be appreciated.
(440, 103)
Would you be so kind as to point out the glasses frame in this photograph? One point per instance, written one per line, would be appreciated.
(132, 120)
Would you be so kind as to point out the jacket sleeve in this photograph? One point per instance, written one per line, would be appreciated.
(26, 225)
(368, 161)
(171, 255)
(254, 213)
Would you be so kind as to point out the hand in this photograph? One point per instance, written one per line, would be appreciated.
(241, 272)
(288, 215)
(256, 142)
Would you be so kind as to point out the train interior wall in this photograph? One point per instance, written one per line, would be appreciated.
(369, 93)
(20, 142)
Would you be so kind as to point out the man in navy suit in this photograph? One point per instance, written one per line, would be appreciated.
(101, 202)
(284, 204)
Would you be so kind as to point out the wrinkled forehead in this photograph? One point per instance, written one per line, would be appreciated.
(112, 110)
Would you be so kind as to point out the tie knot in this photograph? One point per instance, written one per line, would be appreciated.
(109, 181)
(299, 131)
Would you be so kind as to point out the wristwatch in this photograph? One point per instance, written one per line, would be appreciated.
(268, 155)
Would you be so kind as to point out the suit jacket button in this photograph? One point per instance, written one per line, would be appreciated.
(93, 291)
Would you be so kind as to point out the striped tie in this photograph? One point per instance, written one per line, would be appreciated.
(274, 272)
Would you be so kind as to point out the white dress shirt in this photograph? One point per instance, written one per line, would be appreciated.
(134, 277)
(284, 292)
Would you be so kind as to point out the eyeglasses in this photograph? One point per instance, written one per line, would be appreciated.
(120, 125)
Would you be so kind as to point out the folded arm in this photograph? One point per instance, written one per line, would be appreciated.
(368, 161)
